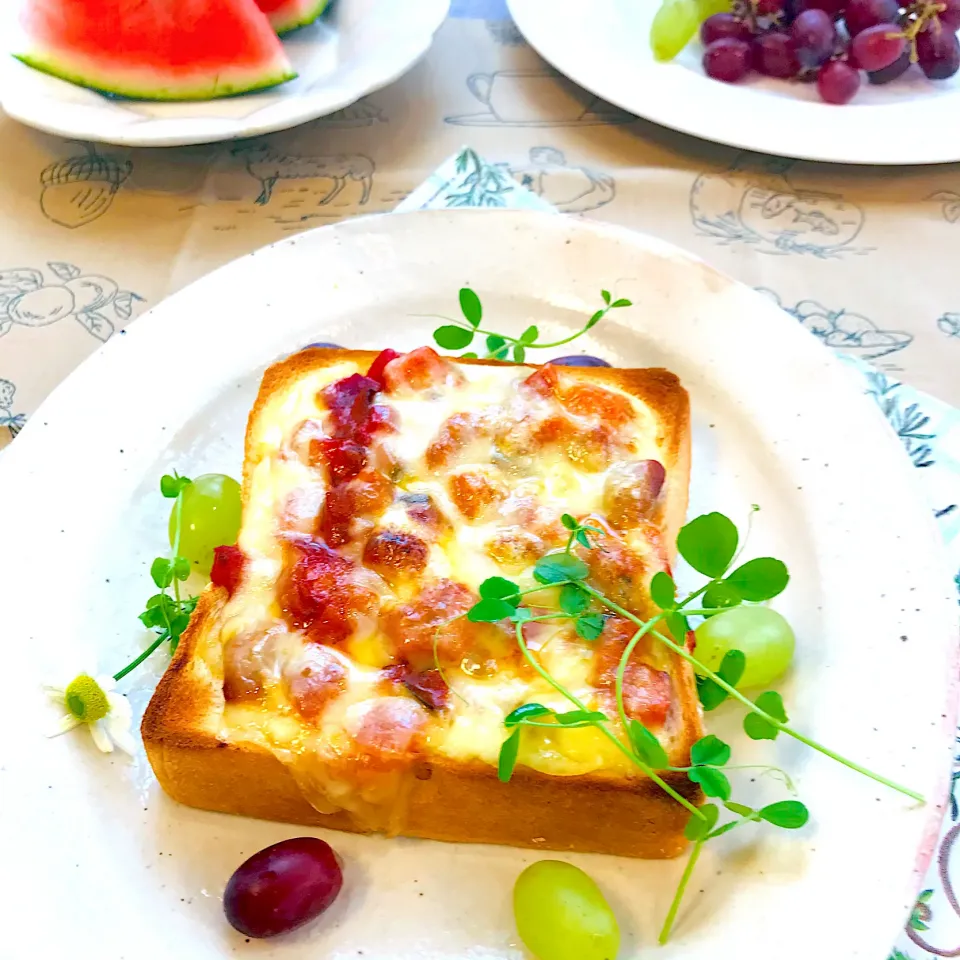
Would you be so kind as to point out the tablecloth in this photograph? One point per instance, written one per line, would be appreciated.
(91, 236)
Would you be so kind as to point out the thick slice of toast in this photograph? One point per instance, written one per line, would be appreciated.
(332, 678)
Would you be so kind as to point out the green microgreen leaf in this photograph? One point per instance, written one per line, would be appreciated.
(557, 567)
(606, 296)
(760, 579)
(491, 611)
(720, 596)
(579, 716)
(529, 335)
(526, 711)
(170, 487)
(710, 750)
(495, 343)
(712, 781)
(161, 571)
(589, 626)
(697, 828)
(663, 591)
(519, 353)
(181, 568)
(741, 810)
(499, 588)
(756, 727)
(521, 614)
(708, 543)
(573, 600)
(622, 302)
(468, 356)
(789, 814)
(582, 539)
(508, 756)
(647, 747)
(678, 625)
(152, 617)
(570, 522)
(470, 306)
(452, 337)
(595, 319)
(711, 694)
(731, 670)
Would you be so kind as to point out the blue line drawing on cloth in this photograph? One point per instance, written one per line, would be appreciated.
(950, 204)
(14, 422)
(269, 166)
(363, 113)
(80, 189)
(852, 333)
(763, 208)
(534, 98)
(568, 187)
(908, 422)
(949, 324)
(96, 303)
(482, 184)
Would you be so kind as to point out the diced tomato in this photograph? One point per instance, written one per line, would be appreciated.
(631, 492)
(317, 593)
(394, 553)
(344, 459)
(474, 493)
(379, 364)
(544, 382)
(589, 400)
(227, 569)
(349, 401)
(420, 369)
(313, 680)
(391, 726)
(428, 686)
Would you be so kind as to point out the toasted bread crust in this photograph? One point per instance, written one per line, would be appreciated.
(446, 800)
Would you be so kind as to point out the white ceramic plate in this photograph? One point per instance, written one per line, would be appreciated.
(358, 47)
(604, 46)
(126, 872)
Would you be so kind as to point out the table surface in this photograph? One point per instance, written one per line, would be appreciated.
(92, 236)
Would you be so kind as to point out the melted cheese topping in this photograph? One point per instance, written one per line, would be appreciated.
(284, 493)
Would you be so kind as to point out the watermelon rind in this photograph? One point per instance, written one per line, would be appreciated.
(151, 85)
(296, 14)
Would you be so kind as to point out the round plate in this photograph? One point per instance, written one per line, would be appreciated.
(98, 845)
(604, 46)
(358, 47)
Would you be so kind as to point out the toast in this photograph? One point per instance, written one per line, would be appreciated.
(329, 677)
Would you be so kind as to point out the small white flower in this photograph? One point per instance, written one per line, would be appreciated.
(92, 702)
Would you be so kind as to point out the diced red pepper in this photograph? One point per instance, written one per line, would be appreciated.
(375, 372)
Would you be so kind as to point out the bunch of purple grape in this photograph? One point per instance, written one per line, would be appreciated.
(832, 42)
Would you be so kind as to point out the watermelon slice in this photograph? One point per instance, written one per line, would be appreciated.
(287, 15)
(156, 49)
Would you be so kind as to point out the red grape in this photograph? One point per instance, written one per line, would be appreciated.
(722, 25)
(833, 8)
(838, 82)
(860, 14)
(938, 52)
(896, 69)
(813, 36)
(877, 46)
(282, 887)
(771, 8)
(950, 17)
(727, 59)
(774, 55)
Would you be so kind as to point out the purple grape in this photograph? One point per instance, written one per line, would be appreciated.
(896, 69)
(722, 25)
(771, 8)
(282, 887)
(950, 17)
(774, 55)
(832, 8)
(877, 46)
(861, 14)
(938, 52)
(579, 360)
(813, 36)
(324, 346)
(838, 82)
(727, 60)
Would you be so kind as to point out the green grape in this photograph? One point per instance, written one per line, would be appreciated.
(210, 517)
(707, 8)
(765, 638)
(561, 914)
(673, 27)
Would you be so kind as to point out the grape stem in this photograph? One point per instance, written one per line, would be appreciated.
(615, 740)
(731, 691)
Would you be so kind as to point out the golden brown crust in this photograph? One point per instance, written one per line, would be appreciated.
(446, 800)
